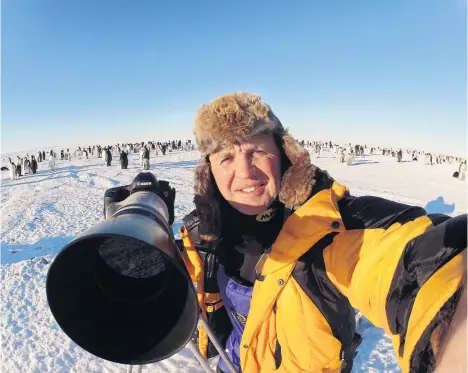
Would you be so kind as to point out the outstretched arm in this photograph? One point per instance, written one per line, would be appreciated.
(406, 274)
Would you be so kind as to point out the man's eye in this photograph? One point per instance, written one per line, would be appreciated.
(226, 159)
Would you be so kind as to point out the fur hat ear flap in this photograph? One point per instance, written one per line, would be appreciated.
(207, 202)
(298, 180)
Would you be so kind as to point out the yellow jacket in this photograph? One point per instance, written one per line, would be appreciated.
(400, 267)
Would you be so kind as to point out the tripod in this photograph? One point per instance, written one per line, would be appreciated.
(206, 367)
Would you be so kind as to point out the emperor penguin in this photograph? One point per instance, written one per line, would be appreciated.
(342, 156)
(399, 156)
(318, 150)
(12, 170)
(27, 165)
(108, 157)
(105, 156)
(462, 171)
(18, 167)
(146, 164)
(23, 164)
(123, 160)
(142, 151)
(349, 158)
(52, 161)
(33, 164)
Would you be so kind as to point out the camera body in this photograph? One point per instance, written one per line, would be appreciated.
(114, 198)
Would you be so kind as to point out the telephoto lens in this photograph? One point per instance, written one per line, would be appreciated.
(120, 289)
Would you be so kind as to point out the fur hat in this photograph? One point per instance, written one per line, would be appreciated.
(237, 117)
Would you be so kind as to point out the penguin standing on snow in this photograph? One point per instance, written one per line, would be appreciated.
(342, 156)
(123, 160)
(52, 161)
(24, 165)
(462, 171)
(33, 164)
(18, 170)
(142, 151)
(108, 157)
(399, 156)
(39, 156)
(146, 164)
(104, 155)
(27, 165)
(12, 170)
(18, 167)
(349, 159)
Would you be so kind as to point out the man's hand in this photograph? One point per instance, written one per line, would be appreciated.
(454, 352)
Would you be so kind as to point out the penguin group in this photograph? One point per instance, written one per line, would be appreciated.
(25, 165)
(346, 154)
(122, 150)
(29, 164)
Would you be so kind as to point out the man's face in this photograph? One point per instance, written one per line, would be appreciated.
(248, 174)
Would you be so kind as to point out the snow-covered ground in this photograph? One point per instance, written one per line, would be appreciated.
(42, 212)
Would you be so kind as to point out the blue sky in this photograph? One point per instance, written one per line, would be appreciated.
(382, 72)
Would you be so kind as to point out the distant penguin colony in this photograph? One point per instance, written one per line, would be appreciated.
(30, 164)
(346, 153)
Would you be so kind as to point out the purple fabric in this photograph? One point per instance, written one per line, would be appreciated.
(236, 299)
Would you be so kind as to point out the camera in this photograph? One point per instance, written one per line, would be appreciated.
(120, 289)
(116, 198)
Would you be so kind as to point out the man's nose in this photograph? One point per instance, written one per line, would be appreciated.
(244, 166)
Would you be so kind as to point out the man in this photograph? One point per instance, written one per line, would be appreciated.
(282, 254)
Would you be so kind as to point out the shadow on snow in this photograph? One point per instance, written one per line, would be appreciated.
(13, 253)
(363, 162)
(438, 206)
(50, 175)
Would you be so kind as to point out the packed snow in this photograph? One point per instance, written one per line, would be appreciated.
(42, 212)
